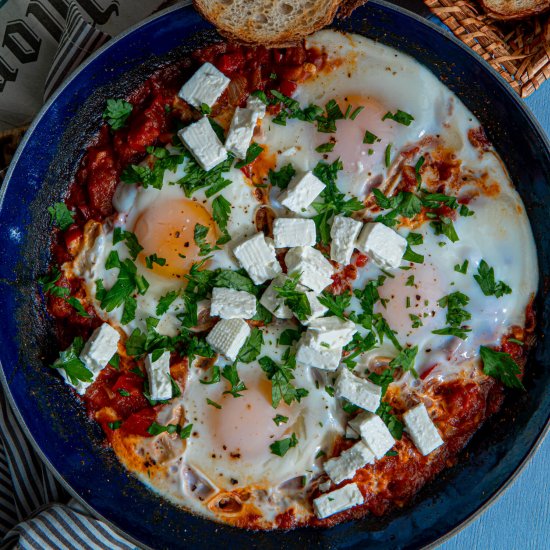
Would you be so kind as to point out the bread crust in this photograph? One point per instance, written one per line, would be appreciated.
(248, 35)
(540, 7)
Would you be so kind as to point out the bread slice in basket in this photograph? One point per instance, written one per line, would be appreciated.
(514, 9)
(268, 22)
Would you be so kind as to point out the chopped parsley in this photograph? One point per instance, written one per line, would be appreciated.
(295, 299)
(117, 112)
(214, 379)
(281, 376)
(370, 138)
(230, 373)
(252, 153)
(336, 303)
(405, 360)
(456, 315)
(165, 302)
(417, 175)
(325, 147)
(400, 117)
(134, 248)
(213, 403)
(154, 259)
(387, 155)
(334, 201)
(200, 232)
(282, 177)
(71, 363)
(485, 277)
(114, 425)
(281, 447)
(61, 216)
(252, 346)
(280, 419)
(221, 210)
(501, 366)
(462, 268)
(156, 429)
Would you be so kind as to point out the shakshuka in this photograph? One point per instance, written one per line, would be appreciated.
(291, 284)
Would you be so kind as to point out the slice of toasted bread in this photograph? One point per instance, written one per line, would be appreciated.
(268, 22)
(514, 9)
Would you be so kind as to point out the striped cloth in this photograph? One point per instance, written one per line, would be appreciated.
(35, 511)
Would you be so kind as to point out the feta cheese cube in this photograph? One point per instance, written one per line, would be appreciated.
(343, 234)
(205, 86)
(257, 256)
(203, 143)
(337, 501)
(344, 466)
(382, 245)
(228, 337)
(374, 433)
(332, 331)
(309, 353)
(301, 192)
(96, 353)
(229, 303)
(257, 105)
(100, 347)
(241, 131)
(317, 308)
(290, 232)
(422, 430)
(160, 385)
(359, 391)
(316, 271)
(273, 302)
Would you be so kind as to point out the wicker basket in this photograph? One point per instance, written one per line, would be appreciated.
(519, 51)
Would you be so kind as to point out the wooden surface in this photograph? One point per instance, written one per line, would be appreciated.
(520, 518)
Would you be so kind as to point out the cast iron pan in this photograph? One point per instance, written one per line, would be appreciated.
(54, 419)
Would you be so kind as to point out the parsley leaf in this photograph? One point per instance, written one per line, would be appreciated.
(62, 217)
(165, 302)
(280, 419)
(462, 268)
(48, 284)
(336, 304)
(395, 426)
(213, 403)
(282, 177)
(399, 116)
(214, 379)
(79, 308)
(281, 447)
(237, 385)
(296, 300)
(200, 233)
(233, 279)
(325, 147)
(289, 336)
(197, 178)
(501, 366)
(134, 248)
(117, 112)
(221, 210)
(252, 153)
(456, 315)
(281, 377)
(70, 362)
(154, 259)
(485, 277)
(405, 360)
(251, 347)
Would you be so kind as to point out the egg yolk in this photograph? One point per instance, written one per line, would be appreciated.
(350, 134)
(245, 425)
(167, 229)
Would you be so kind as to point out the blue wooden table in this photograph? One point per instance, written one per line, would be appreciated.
(520, 518)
